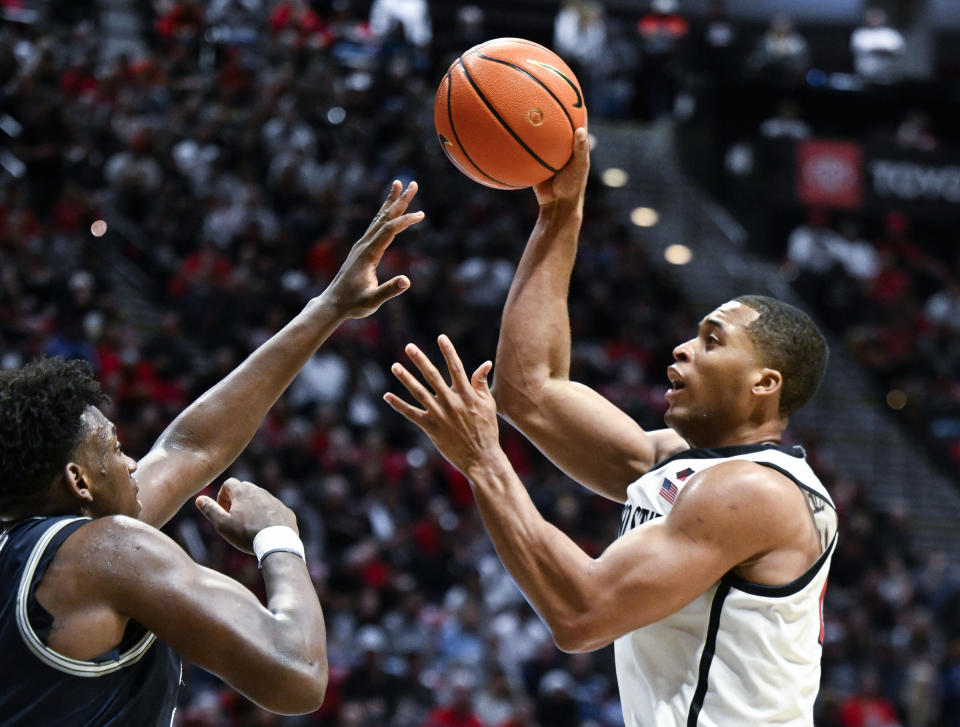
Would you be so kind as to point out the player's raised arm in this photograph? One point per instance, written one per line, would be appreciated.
(209, 434)
(579, 430)
(731, 515)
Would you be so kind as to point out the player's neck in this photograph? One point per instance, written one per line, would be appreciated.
(770, 432)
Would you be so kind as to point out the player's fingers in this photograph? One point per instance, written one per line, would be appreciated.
(408, 411)
(225, 495)
(430, 373)
(479, 379)
(382, 213)
(458, 377)
(390, 289)
(384, 234)
(399, 205)
(581, 148)
(396, 189)
(396, 203)
(212, 511)
(417, 390)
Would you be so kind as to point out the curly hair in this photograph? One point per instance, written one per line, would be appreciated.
(788, 341)
(41, 406)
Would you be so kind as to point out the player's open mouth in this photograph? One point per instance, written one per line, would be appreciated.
(676, 381)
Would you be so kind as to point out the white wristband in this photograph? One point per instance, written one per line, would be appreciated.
(277, 538)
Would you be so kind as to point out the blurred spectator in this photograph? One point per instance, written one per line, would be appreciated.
(367, 683)
(717, 50)
(876, 48)
(867, 708)
(782, 53)
(580, 35)
(296, 24)
(662, 34)
(786, 123)
(411, 17)
(494, 703)
(914, 132)
(458, 711)
(943, 307)
(555, 703)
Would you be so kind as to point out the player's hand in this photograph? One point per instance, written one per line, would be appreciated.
(461, 417)
(355, 290)
(242, 510)
(569, 183)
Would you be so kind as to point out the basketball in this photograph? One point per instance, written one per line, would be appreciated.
(505, 113)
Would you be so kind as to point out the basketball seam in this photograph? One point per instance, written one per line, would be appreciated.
(456, 136)
(542, 84)
(499, 118)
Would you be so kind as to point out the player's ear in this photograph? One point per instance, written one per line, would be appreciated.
(768, 382)
(76, 481)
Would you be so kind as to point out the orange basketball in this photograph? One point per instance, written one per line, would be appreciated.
(506, 111)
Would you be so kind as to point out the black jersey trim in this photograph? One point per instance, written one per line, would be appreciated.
(706, 658)
(788, 589)
(786, 473)
(53, 659)
(733, 450)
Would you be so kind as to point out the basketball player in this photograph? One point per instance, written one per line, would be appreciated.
(97, 604)
(712, 593)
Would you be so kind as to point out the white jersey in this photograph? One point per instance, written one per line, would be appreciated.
(741, 653)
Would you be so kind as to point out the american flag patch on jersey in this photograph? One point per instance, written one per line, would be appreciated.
(669, 491)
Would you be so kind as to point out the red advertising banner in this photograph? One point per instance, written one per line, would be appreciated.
(830, 173)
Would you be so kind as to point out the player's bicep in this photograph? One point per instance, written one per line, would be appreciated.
(652, 572)
(205, 616)
(660, 567)
(586, 436)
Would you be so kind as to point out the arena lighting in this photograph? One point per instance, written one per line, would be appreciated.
(593, 141)
(98, 228)
(644, 217)
(614, 177)
(678, 254)
(896, 399)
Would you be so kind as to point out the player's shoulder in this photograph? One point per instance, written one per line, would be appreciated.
(742, 482)
(106, 543)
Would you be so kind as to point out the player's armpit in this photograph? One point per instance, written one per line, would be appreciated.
(276, 657)
(727, 515)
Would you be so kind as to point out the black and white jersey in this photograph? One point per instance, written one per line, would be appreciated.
(134, 684)
(741, 653)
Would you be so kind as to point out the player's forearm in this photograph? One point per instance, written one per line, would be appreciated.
(548, 567)
(221, 422)
(298, 632)
(534, 340)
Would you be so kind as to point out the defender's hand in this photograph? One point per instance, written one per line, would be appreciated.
(569, 183)
(242, 510)
(460, 418)
(355, 291)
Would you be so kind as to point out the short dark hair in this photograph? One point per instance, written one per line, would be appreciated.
(41, 425)
(788, 341)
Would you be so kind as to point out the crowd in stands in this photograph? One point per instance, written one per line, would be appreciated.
(161, 215)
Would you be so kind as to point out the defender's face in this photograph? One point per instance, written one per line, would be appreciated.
(109, 470)
(711, 378)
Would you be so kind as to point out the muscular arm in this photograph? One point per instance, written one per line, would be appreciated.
(735, 515)
(731, 517)
(274, 655)
(583, 433)
(209, 434)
